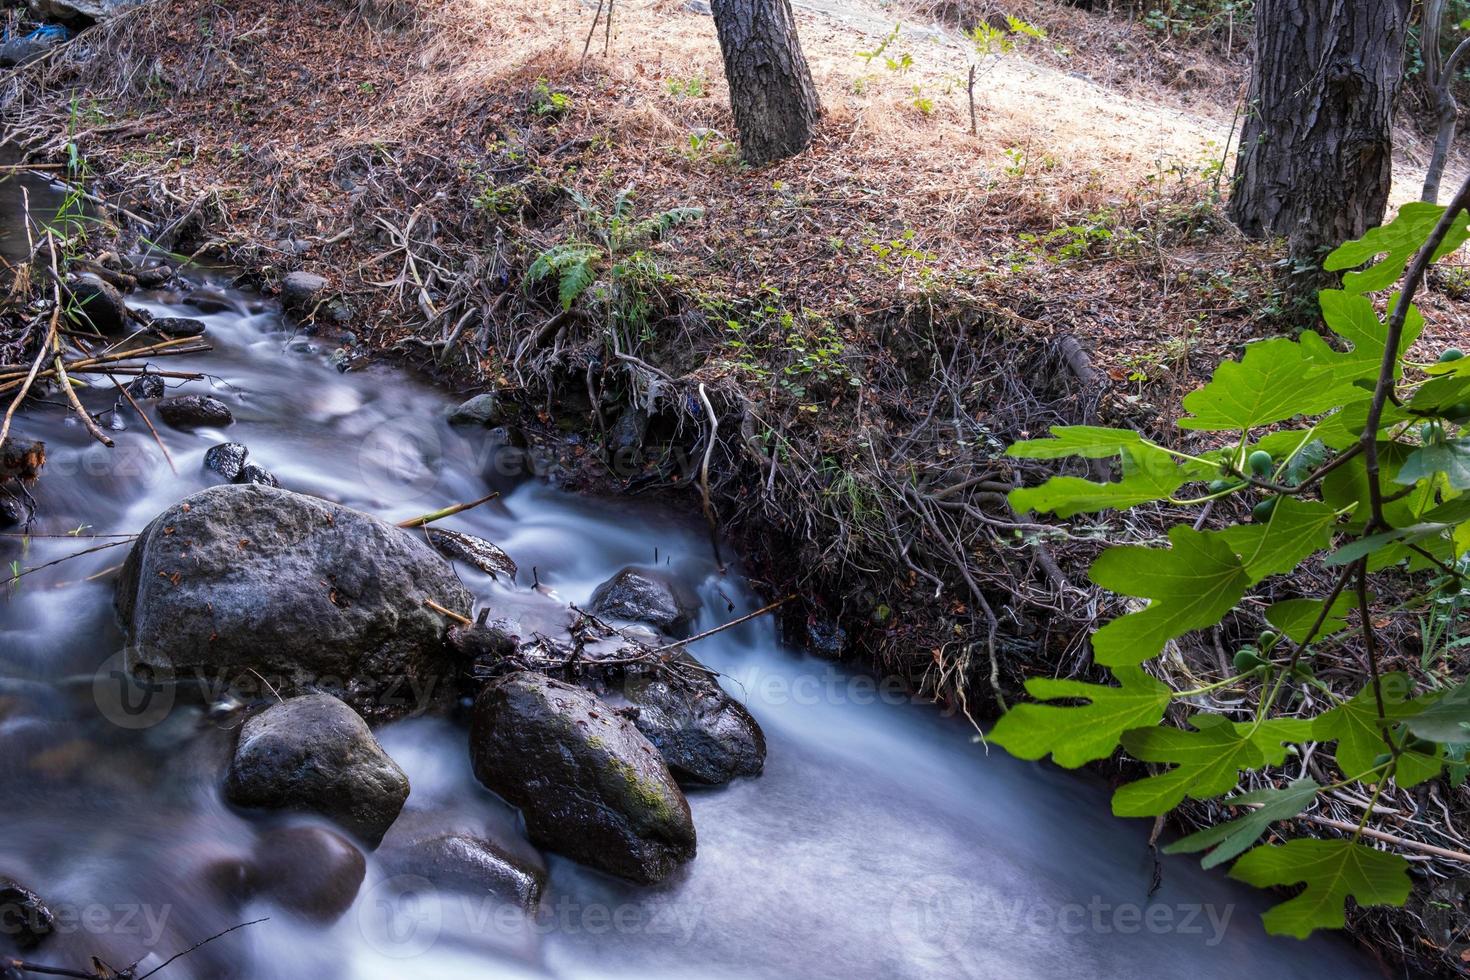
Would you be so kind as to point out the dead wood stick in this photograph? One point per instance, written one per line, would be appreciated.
(66, 385)
(36, 568)
(587, 45)
(45, 341)
(144, 416)
(446, 512)
(721, 628)
(450, 613)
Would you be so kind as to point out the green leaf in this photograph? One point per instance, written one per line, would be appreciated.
(1359, 730)
(1385, 545)
(1149, 474)
(1436, 396)
(1294, 617)
(1451, 457)
(1333, 871)
(1353, 318)
(1206, 764)
(575, 278)
(1447, 719)
(1273, 382)
(1397, 241)
(1091, 441)
(1296, 529)
(1233, 836)
(1192, 584)
(1272, 735)
(1084, 733)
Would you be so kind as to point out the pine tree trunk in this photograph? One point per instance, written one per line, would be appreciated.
(771, 91)
(1315, 155)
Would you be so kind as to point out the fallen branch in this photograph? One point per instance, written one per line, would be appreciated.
(446, 512)
(101, 547)
(721, 628)
(461, 620)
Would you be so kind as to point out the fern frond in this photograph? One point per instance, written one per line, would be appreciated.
(576, 277)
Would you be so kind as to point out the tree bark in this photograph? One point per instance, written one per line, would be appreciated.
(771, 91)
(1316, 150)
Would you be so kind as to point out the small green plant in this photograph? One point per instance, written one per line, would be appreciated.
(366, 88)
(1017, 166)
(710, 145)
(882, 46)
(547, 102)
(987, 45)
(611, 244)
(685, 88)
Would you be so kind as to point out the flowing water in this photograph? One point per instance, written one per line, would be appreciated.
(882, 839)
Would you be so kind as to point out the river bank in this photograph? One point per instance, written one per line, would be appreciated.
(878, 835)
(828, 360)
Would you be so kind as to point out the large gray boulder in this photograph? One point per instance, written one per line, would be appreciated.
(246, 583)
(315, 754)
(588, 784)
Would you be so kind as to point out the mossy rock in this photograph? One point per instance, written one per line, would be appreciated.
(588, 783)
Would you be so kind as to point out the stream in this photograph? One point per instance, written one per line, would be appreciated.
(883, 838)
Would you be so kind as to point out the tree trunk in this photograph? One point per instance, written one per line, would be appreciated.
(1315, 155)
(771, 90)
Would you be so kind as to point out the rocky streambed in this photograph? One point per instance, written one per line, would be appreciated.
(475, 746)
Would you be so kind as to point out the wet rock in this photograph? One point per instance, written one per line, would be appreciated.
(24, 918)
(311, 871)
(482, 646)
(464, 862)
(479, 410)
(18, 51)
(147, 386)
(220, 866)
(314, 753)
(227, 459)
(195, 412)
(588, 784)
(210, 299)
(96, 304)
(310, 594)
(645, 596)
(705, 736)
(12, 511)
(258, 475)
(150, 273)
(826, 639)
(506, 455)
(176, 326)
(626, 436)
(476, 551)
(76, 11)
(302, 291)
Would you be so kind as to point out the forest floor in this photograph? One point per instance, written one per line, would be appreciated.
(831, 358)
